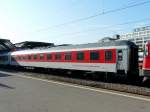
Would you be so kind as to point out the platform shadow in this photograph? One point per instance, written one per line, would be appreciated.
(6, 86)
(4, 75)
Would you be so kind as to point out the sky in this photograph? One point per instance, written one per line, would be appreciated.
(43, 20)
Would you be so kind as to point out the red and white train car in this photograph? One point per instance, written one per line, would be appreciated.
(119, 57)
(146, 61)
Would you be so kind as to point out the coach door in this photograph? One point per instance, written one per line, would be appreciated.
(121, 59)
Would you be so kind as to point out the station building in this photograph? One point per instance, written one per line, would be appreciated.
(6, 45)
(139, 36)
(32, 45)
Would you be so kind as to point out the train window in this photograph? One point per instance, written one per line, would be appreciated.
(58, 56)
(16, 58)
(29, 57)
(94, 55)
(120, 55)
(41, 56)
(68, 56)
(24, 57)
(19, 57)
(80, 55)
(35, 56)
(108, 55)
(49, 56)
(145, 50)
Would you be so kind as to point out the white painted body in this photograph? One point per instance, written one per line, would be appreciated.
(103, 67)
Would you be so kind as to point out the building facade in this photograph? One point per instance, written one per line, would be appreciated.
(139, 36)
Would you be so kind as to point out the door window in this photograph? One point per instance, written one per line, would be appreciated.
(120, 55)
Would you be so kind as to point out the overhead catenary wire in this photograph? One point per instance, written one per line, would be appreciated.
(105, 27)
(95, 15)
(106, 34)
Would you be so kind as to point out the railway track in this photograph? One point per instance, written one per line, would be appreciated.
(74, 79)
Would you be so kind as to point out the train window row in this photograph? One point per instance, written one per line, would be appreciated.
(94, 55)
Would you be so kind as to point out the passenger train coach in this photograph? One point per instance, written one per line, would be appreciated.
(146, 61)
(118, 57)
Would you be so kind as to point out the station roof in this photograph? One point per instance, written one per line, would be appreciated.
(32, 45)
(6, 45)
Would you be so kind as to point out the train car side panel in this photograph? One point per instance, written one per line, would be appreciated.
(103, 67)
(146, 61)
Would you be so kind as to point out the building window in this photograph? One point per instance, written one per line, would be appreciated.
(94, 55)
(80, 55)
(49, 56)
(58, 56)
(67, 56)
(108, 55)
(41, 56)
